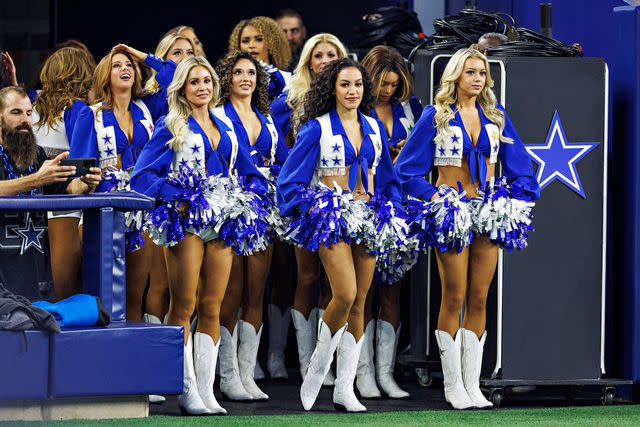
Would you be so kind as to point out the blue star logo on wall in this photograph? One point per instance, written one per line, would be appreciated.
(30, 235)
(557, 158)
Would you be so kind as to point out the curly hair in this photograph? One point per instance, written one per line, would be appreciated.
(275, 40)
(224, 68)
(66, 75)
(320, 99)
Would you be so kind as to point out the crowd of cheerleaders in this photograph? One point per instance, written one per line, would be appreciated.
(251, 191)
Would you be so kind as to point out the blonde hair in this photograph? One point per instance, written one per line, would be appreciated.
(179, 109)
(447, 95)
(102, 80)
(162, 51)
(303, 74)
(274, 39)
(66, 75)
(381, 60)
(179, 30)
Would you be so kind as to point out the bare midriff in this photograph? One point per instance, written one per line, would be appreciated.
(451, 175)
(359, 192)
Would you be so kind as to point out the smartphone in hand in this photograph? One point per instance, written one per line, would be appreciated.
(82, 165)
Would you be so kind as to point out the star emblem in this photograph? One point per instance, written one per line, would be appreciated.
(109, 151)
(455, 151)
(195, 149)
(196, 162)
(325, 162)
(442, 151)
(107, 139)
(336, 148)
(336, 161)
(30, 235)
(454, 138)
(494, 135)
(495, 148)
(184, 163)
(557, 158)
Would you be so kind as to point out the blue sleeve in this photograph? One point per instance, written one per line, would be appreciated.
(297, 172)
(165, 69)
(84, 140)
(157, 104)
(516, 162)
(245, 166)
(415, 161)
(386, 180)
(282, 150)
(154, 165)
(416, 107)
(281, 114)
(71, 117)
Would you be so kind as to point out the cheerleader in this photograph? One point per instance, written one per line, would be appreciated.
(318, 51)
(244, 103)
(397, 110)
(263, 38)
(190, 33)
(66, 77)
(194, 167)
(466, 216)
(114, 131)
(340, 191)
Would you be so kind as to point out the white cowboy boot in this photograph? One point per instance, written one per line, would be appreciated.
(344, 398)
(189, 401)
(386, 346)
(258, 372)
(247, 354)
(319, 364)
(205, 356)
(278, 332)
(305, 337)
(454, 391)
(230, 382)
(153, 320)
(366, 375)
(330, 379)
(472, 348)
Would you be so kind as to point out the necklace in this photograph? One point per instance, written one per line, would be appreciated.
(8, 168)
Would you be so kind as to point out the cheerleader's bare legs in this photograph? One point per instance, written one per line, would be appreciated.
(138, 266)
(483, 259)
(157, 301)
(65, 248)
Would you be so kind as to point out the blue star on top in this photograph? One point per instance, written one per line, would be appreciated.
(442, 151)
(495, 148)
(109, 151)
(196, 162)
(454, 138)
(336, 148)
(184, 163)
(30, 235)
(336, 161)
(325, 162)
(557, 158)
(195, 149)
(455, 151)
(107, 139)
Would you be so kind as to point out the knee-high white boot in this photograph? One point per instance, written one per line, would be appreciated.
(153, 320)
(454, 391)
(366, 375)
(344, 398)
(247, 354)
(386, 346)
(319, 364)
(330, 379)
(472, 349)
(230, 382)
(189, 401)
(278, 332)
(205, 356)
(305, 337)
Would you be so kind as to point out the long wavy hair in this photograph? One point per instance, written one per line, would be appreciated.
(162, 51)
(303, 74)
(179, 109)
(320, 99)
(381, 60)
(102, 80)
(180, 29)
(260, 96)
(274, 39)
(66, 76)
(448, 95)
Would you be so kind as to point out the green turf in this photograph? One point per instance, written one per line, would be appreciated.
(597, 416)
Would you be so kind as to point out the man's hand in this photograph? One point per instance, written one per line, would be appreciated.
(51, 172)
(92, 179)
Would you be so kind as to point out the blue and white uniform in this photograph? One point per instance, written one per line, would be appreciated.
(324, 216)
(268, 152)
(223, 190)
(503, 211)
(157, 101)
(405, 115)
(281, 113)
(278, 80)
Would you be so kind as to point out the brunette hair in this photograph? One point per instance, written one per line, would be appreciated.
(102, 80)
(381, 60)
(224, 67)
(320, 99)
